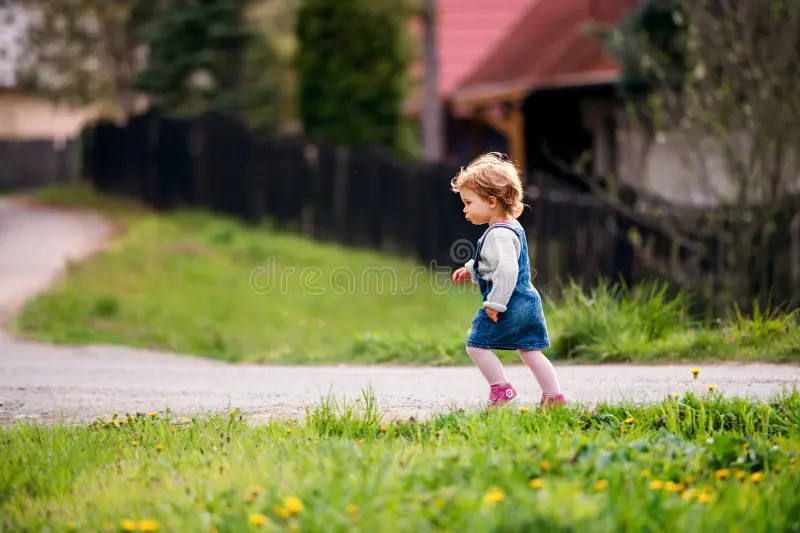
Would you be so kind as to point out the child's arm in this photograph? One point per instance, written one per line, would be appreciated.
(501, 252)
(470, 266)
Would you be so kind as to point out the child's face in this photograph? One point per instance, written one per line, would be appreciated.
(478, 210)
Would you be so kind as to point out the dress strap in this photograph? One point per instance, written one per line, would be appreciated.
(500, 225)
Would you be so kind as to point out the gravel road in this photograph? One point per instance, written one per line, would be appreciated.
(45, 382)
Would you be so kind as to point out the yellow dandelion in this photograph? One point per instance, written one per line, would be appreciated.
(174, 430)
(524, 409)
(360, 441)
(184, 421)
(281, 511)
(645, 473)
(152, 414)
(676, 395)
(656, 485)
(695, 372)
(288, 430)
(70, 526)
(544, 465)
(159, 447)
(722, 473)
(134, 443)
(688, 494)
(213, 529)
(127, 525)
(536, 483)
(739, 474)
(384, 429)
(352, 510)
(629, 420)
(704, 497)
(148, 525)
(293, 504)
(601, 484)
(793, 460)
(746, 445)
(438, 433)
(257, 520)
(755, 477)
(316, 442)
(712, 387)
(671, 486)
(494, 496)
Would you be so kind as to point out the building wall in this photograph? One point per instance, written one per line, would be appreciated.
(675, 167)
(27, 116)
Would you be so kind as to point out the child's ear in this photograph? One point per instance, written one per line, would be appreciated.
(491, 202)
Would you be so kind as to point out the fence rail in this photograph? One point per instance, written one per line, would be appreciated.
(359, 197)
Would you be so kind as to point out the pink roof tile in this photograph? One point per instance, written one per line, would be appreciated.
(468, 30)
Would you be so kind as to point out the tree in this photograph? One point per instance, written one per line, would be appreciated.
(83, 52)
(720, 81)
(352, 62)
(196, 59)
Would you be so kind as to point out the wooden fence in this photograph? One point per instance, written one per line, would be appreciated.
(359, 197)
(31, 163)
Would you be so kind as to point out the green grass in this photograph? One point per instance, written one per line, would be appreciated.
(181, 282)
(700, 462)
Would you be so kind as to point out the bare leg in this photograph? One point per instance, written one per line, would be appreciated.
(488, 364)
(543, 370)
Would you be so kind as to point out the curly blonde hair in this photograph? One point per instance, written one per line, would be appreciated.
(493, 175)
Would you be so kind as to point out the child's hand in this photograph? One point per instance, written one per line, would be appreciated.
(462, 274)
(492, 313)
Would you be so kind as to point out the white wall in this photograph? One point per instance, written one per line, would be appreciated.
(674, 168)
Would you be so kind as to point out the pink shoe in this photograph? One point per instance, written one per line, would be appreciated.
(501, 394)
(552, 401)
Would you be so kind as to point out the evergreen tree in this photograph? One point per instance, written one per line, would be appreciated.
(352, 62)
(196, 61)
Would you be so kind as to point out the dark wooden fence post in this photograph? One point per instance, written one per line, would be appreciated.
(341, 185)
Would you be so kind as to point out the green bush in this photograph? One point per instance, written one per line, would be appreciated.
(352, 64)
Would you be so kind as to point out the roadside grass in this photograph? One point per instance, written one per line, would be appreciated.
(697, 462)
(196, 283)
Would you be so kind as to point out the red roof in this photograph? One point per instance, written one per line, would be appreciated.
(467, 31)
(546, 46)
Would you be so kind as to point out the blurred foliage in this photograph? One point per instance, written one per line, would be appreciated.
(653, 21)
(717, 83)
(197, 59)
(269, 60)
(353, 61)
(81, 52)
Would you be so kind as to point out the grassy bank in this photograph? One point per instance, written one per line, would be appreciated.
(694, 463)
(194, 283)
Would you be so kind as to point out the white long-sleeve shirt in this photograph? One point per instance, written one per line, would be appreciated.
(499, 262)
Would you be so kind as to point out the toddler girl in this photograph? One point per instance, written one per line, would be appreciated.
(512, 317)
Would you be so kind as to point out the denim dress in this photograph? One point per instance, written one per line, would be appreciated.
(522, 325)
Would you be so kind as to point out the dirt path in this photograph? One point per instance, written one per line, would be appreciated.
(45, 382)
